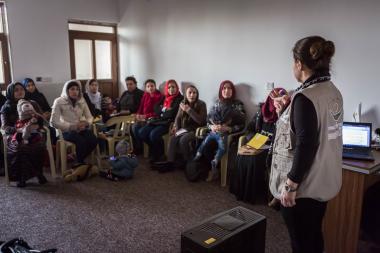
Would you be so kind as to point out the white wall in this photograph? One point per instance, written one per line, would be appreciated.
(38, 34)
(250, 42)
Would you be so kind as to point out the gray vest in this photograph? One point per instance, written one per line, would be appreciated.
(324, 179)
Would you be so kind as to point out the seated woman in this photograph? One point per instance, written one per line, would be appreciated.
(248, 179)
(93, 97)
(166, 110)
(71, 115)
(32, 93)
(146, 111)
(129, 101)
(192, 114)
(25, 159)
(226, 116)
(3, 99)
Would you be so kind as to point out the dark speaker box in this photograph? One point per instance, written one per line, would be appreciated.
(235, 230)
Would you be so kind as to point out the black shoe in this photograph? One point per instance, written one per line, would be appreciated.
(21, 184)
(165, 169)
(157, 165)
(108, 175)
(42, 179)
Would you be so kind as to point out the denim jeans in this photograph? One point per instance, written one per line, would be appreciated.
(220, 139)
(152, 135)
(85, 142)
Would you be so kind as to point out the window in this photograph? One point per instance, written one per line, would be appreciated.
(93, 55)
(5, 73)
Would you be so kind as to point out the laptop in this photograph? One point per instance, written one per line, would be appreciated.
(357, 140)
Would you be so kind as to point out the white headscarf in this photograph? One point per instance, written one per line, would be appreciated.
(96, 99)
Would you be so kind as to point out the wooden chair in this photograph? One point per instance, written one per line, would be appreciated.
(201, 132)
(48, 147)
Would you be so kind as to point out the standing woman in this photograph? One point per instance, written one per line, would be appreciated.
(166, 110)
(192, 114)
(307, 150)
(25, 160)
(71, 115)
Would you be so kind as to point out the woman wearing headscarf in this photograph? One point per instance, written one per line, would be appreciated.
(192, 114)
(226, 116)
(33, 94)
(93, 97)
(71, 115)
(25, 160)
(166, 110)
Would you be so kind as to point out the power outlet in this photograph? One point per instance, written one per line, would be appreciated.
(270, 86)
(44, 79)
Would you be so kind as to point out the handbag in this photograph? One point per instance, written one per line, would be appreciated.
(158, 122)
(18, 245)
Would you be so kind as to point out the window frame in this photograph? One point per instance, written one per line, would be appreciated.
(5, 51)
(93, 36)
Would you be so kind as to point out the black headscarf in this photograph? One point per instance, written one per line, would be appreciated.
(36, 96)
(9, 109)
(11, 103)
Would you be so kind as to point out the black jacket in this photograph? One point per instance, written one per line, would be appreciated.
(137, 95)
(170, 114)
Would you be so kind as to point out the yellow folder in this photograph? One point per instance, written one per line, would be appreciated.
(258, 141)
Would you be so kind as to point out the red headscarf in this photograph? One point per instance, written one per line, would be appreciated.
(169, 98)
(268, 110)
(221, 89)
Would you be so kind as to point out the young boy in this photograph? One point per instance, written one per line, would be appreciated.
(123, 166)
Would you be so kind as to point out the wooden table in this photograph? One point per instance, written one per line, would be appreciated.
(341, 224)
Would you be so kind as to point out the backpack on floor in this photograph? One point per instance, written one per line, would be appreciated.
(196, 170)
(18, 245)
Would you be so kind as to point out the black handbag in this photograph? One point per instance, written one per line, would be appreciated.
(18, 245)
(158, 122)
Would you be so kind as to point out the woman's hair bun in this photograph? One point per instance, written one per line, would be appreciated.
(328, 48)
(316, 50)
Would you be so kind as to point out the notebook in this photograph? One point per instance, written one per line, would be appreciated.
(257, 141)
(357, 140)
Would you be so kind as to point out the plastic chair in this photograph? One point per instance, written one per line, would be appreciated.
(61, 152)
(201, 132)
(48, 147)
(121, 131)
(166, 138)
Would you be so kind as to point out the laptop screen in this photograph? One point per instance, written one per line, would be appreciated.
(356, 134)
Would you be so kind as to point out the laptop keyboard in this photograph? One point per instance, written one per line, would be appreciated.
(356, 151)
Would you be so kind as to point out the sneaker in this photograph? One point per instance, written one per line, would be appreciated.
(108, 175)
(214, 173)
(214, 164)
(198, 156)
(212, 176)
